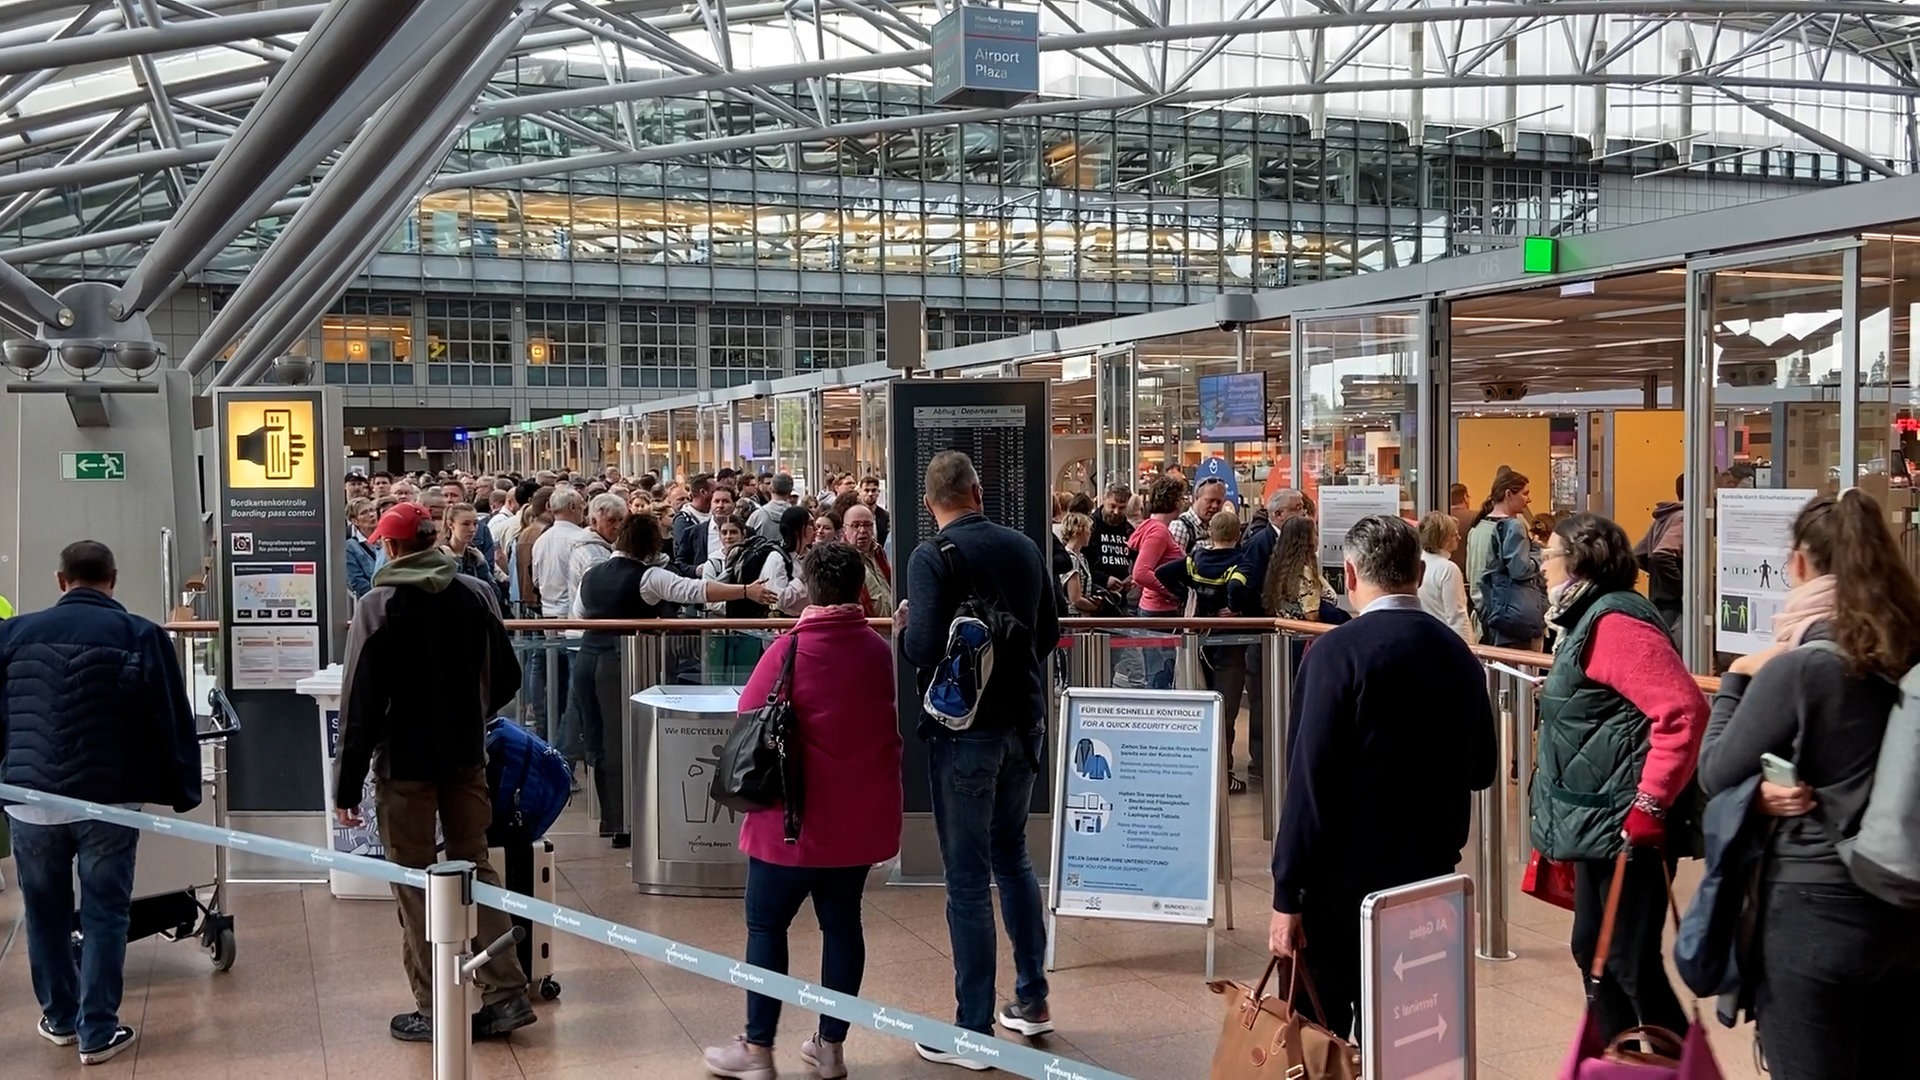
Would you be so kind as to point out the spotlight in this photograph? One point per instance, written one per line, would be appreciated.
(136, 358)
(293, 370)
(25, 355)
(82, 356)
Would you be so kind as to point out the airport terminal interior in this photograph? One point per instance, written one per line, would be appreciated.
(255, 254)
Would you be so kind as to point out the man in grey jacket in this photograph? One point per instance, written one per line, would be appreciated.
(766, 520)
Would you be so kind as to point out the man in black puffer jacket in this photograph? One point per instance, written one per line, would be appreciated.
(92, 706)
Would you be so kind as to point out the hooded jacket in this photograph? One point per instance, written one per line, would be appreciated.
(1660, 553)
(93, 706)
(428, 664)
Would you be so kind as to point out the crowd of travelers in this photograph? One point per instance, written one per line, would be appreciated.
(1632, 758)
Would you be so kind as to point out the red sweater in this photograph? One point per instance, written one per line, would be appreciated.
(1153, 547)
(1637, 660)
(849, 737)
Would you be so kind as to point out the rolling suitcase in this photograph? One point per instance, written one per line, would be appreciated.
(527, 868)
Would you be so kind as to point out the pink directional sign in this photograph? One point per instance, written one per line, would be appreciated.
(1417, 981)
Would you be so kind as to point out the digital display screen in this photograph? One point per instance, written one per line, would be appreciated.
(1233, 408)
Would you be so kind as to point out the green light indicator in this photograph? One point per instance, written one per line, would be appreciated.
(526, 425)
(1540, 255)
(567, 419)
(493, 431)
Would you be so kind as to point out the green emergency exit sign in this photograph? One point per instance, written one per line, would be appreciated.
(93, 465)
(1540, 255)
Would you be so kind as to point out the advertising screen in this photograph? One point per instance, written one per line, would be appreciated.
(1233, 408)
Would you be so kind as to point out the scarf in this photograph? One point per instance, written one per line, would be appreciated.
(1810, 603)
(1560, 604)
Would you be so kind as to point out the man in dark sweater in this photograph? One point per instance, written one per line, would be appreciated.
(1107, 553)
(982, 778)
(1392, 733)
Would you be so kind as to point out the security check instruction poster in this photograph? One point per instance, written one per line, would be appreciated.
(1137, 822)
(1753, 532)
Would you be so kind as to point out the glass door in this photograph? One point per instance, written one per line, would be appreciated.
(1772, 421)
(1360, 376)
(1117, 457)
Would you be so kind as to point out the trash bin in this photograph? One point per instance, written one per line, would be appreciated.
(324, 688)
(684, 843)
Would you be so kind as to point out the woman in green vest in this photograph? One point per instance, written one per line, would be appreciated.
(1621, 721)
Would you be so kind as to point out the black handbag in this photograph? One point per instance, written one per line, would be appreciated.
(759, 767)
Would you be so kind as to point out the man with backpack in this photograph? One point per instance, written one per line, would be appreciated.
(424, 740)
(983, 755)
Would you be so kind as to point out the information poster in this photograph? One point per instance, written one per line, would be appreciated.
(276, 592)
(690, 733)
(1417, 976)
(1137, 825)
(273, 657)
(1753, 534)
(1342, 507)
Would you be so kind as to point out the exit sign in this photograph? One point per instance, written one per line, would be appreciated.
(93, 465)
(1540, 255)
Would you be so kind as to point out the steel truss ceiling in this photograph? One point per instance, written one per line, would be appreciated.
(306, 130)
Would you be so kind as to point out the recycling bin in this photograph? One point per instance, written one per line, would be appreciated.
(684, 843)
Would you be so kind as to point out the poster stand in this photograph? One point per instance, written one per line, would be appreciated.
(1179, 734)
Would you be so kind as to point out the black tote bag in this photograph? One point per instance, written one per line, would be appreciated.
(757, 769)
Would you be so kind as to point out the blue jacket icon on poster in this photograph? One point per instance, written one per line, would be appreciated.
(1090, 761)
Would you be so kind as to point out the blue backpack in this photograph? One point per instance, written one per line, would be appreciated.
(530, 781)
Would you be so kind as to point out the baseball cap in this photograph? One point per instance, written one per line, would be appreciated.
(356, 474)
(401, 523)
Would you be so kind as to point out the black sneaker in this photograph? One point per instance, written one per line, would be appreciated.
(622, 841)
(412, 1027)
(57, 1038)
(1029, 1018)
(123, 1037)
(503, 1016)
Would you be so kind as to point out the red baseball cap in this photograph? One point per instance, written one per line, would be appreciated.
(401, 523)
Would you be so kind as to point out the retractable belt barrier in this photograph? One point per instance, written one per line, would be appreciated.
(1001, 1054)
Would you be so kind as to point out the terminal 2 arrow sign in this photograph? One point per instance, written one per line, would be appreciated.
(1416, 969)
(93, 465)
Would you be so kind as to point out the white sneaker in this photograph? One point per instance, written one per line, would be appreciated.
(948, 1057)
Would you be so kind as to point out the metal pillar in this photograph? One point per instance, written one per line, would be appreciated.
(1187, 675)
(1490, 868)
(450, 926)
(1276, 670)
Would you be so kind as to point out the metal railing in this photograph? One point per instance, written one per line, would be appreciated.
(696, 651)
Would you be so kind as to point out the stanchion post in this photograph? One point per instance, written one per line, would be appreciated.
(1490, 886)
(1524, 704)
(450, 926)
(1187, 675)
(1276, 673)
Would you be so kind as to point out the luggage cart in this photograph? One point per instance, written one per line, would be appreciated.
(178, 912)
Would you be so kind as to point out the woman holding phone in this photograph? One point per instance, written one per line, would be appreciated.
(1839, 975)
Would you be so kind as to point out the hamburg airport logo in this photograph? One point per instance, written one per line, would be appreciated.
(965, 1043)
(809, 996)
(619, 938)
(1057, 1071)
(676, 955)
(741, 975)
(881, 1021)
(564, 921)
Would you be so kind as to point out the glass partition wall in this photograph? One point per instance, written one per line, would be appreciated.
(1362, 387)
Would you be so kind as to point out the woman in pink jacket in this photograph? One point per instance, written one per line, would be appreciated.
(1153, 546)
(849, 738)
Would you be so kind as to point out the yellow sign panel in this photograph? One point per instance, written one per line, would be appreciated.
(271, 444)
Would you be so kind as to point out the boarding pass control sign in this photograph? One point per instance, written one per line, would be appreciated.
(1012, 1057)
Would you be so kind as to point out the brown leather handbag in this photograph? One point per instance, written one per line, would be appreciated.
(1265, 1038)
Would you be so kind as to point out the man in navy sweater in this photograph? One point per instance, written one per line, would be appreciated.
(1392, 733)
(982, 778)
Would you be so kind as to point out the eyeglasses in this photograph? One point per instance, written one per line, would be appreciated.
(1554, 553)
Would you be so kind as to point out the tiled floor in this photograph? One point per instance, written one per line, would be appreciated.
(317, 979)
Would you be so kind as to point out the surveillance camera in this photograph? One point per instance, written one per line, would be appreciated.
(1229, 325)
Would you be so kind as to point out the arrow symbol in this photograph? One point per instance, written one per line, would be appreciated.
(1438, 1031)
(1402, 965)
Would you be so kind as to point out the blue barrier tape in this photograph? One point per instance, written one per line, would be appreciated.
(1007, 1056)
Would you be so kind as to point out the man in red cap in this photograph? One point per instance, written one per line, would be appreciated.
(425, 741)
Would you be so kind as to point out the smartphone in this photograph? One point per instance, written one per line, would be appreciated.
(1778, 770)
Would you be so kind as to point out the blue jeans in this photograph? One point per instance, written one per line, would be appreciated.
(982, 787)
(774, 896)
(83, 998)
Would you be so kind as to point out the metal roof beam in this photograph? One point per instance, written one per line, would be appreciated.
(347, 202)
(1813, 134)
(174, 37)
(34, 184)
(357, 56)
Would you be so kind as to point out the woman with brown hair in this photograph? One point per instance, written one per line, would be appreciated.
(1295, 588)
(1839, 971)
(1503, 568)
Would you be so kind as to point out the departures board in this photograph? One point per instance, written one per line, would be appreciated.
(1005, 426)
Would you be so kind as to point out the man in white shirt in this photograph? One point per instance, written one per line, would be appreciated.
(553, 552)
